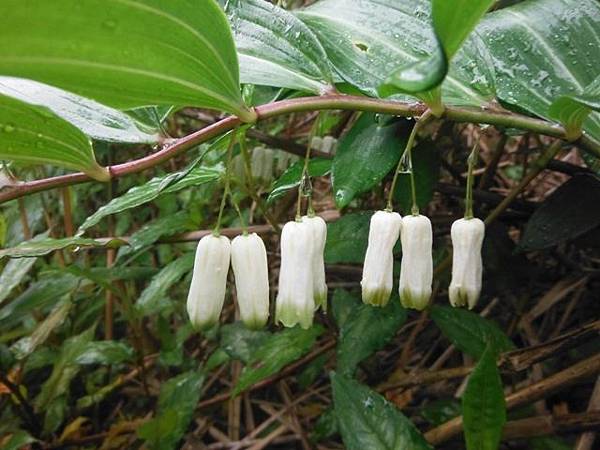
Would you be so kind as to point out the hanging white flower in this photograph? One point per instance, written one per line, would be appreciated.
(249, 262)
(295, 299)
(378, 276)
(467, 238)
(209, 281)
(319, 234)
(416, 270)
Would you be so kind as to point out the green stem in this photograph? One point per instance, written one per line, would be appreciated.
(472, 161)
(407, 153)
(227, 189)
(305, 188)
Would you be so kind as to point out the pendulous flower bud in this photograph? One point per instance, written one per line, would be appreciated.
(378, 273)
(209, 281)
(295, 299)
(249, 262)
(467, 238)
(416, 270)
(319, 234)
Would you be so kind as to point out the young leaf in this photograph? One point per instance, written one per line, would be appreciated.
(35, 135)
(366, 330)
(37, 247)
(104, 352)
(290, 179)
(12, 274)
(470, 332)
(364, 156)
(569, 212)
(139, 195)
(367, 421)
(484, 409)
(126, 54)
(277, 352)
(97, 121)
(573, 110)
(276, 49)
(176, 404)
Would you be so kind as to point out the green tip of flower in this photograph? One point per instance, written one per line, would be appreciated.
(289, 317)
(321, 300)
(376, 297)
(410, 300)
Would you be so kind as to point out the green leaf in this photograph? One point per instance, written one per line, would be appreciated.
(343, 303)
(367, 421)
(104, 352)
(277, 352)
(126, 54)
(140, 195)
(18, 440)
(12, 274)
(364, 156)
(242, 343)
(573, 110)
(543, 50)
(347, 238)
(439, 411)
(35, 135)
(470, 332)
(366, 40)
(96, 120)
(176, 404)
(569, 212)
(426, 166)
(366, 330)
(25, 346)
(37, 247)
(275, 48)
(484, 409)
(317, 167)
(162, 282)
(326, 426)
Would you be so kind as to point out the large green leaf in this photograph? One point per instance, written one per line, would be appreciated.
(366, 330)
(126, 53)
(367, 40)
(364, 156)
(544, 49)
(94, 119)
(367, 421)
(34, 135)
(347, 238)
(484, 409)
(275, 353)
(12, 274)
(290, 179)
(470, 332)
(573, 110)
(37, 247)
(145, 193)
(275, 48)
(176, 404)
(240, 342)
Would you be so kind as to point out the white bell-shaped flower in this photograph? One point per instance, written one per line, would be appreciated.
(467, 238)
(378, 270)
(209, 281)
(416, 270)
(319, 233)
(295, 298)
(249, 262)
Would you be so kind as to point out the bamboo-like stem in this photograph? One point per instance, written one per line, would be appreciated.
(226, 190)
(305, 183)
(325, 102)
(67, 211)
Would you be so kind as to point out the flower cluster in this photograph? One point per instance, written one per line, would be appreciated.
(416, 271)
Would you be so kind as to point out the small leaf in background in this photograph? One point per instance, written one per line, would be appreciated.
(312, 371)
(364, 156)
(367, 421)
(275, 48)
(13, 274)
(326, 426)
(97, 121)
(366, 330)
(37, 247)
(19, 440)
(572, 110)
(145, 193)
(347, 238)
(35, 135)
(317, 167)
(126, 54)
(105, 352)
(343, 303)
(439, 411)
(277, 352)
(162, 282)
(470, 332)
(484, 408)
(567, 213)
(549, 443)
(151, 116)
(426, 166)
(240, 342)
(176, 404)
